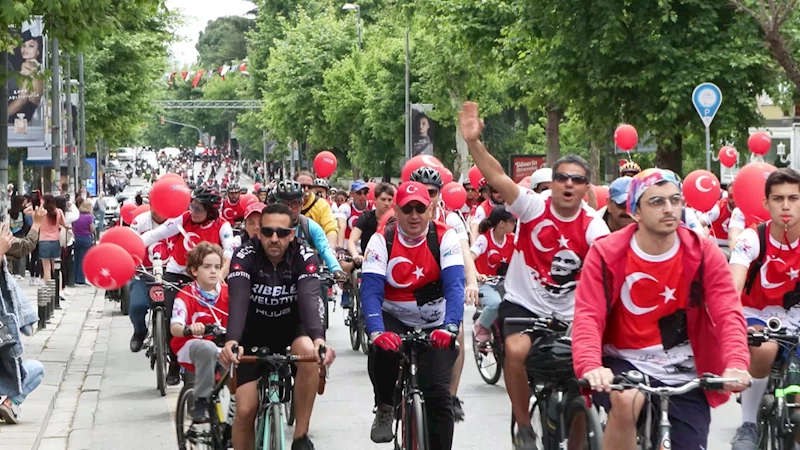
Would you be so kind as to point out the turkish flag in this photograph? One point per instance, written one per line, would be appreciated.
(197, 77)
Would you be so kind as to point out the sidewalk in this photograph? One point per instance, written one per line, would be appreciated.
(66, 347)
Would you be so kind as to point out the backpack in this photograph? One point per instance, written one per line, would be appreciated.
(755, 266)
(305, 234)
(432, 239)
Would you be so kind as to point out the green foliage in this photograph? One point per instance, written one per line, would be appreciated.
(223, 40)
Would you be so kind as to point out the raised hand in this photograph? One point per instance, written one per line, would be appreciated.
(470, 124)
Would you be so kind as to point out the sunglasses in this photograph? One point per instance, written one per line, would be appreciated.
(660, 202)
(562, 177)
(306, 186)
(362, 192)
(196, 208)
(433, 192)
(411, 207)
(280, 231)
(292, 203)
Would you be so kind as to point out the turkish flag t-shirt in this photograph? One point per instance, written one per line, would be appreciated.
(647, 326)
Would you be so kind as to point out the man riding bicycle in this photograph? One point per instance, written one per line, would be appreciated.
(367, 223)
(347, 215)
(316, 208)
(413, 276)
(274, 290)
(232, 210)
(657, 298)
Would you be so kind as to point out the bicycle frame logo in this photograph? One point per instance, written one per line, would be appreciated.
(157, 294)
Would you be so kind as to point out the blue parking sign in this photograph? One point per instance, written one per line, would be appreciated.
(707, 99)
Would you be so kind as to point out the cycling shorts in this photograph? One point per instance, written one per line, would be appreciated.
(276, 341)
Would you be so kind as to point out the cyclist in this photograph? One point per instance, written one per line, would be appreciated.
(367, 223)
(555, 232)
(203, 302)
(315, 209)
(232, 210)
(349, 213)
(615, 213)
(658, 298)
(541, 180)
(416, 280)
(472, 198)
(628, 168)
(718, 220)
(321, 188)
(274, 290)
(262, 194)
(767, 290)
(252, 219)
(200, 224)
(492, 251)
(482, 211)
(433, 182)
(139, 293)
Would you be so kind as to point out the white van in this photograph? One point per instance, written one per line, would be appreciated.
(125, 154)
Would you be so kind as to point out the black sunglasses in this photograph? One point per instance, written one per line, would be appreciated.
(411, 207)
(562, 177)
(280, 231)
(306, 186)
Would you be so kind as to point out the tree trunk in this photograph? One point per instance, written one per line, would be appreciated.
(671, 156)
(777, 46)
(596, 175)
(554, 115)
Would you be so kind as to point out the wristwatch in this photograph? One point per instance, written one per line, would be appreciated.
(452, 328)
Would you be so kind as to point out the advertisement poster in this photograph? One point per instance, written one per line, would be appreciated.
(26, 93)
(91, 180)
(522, 166)
(422, 131)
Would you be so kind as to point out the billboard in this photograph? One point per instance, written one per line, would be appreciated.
(521, 166)
(91, 180)
(26, 92)
(422, 130)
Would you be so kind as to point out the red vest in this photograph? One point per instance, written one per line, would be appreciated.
(195, 234)
(411, 271)
(720, 226)
(778, 277)
(494, 256)
(232, 211)
(354, 215)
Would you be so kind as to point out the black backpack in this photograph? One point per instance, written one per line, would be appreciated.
(432, 239)
(755, 266)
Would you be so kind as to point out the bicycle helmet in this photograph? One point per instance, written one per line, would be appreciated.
(289, 190)
(321, 182)
(550, 359)
(207, 197)
(629, 167)
(543, 175)
(427, 175)
(263, 189)
(234, 187)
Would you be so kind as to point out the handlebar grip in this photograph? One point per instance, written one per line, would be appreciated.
(187, 331)
(323, 375)
(584, 383)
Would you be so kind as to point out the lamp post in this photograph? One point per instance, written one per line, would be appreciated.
(350, 7)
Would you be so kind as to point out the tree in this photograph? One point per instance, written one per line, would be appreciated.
(224, 40)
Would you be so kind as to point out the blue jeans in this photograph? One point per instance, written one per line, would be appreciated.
(82, 245)
(140, 303)
(490, 299)
(34, 372)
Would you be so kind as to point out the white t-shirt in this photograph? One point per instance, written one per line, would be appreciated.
(453, 220)
(737, 220)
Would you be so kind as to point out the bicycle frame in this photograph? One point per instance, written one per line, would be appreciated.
(269, 395)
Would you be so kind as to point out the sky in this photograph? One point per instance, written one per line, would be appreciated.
(196, 14)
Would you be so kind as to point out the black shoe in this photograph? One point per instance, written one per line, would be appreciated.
(303, 443)
(137, 342)
(458, 411)
(200, 411)
(174, 375)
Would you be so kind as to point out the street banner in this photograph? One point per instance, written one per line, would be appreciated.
(521, 166)
(26, 92)
(91, 180)
(422, 130)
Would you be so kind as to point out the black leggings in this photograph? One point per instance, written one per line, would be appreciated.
(435, 368)
(169, 299)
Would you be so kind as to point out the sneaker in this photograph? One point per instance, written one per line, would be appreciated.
(481, 334)
(382, 425)
(9, 411)
(458, 410)
(525, 439)
(302, 443)
(137, 342)
(746, 437)
(200, 411)
(346, 300)
(174, 375)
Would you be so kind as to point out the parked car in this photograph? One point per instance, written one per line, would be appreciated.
(130, 192)
(112, 209)
(124, 154)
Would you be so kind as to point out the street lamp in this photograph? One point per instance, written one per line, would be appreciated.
(350, 7)
(782, 153)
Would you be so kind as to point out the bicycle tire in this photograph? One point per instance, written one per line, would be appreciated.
(160, 344)
(354, 325)
(289, 410)
(594, 429)
(125, 299)
(362, 326)
(415, 433)
(185, 402)
(277, 440)
(538, 418)
(480, 356)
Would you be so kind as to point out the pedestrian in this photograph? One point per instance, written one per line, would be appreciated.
(49, 247)
(19, 211)
(67, 240)
(18, 378)
(99, 211)
(84, 230)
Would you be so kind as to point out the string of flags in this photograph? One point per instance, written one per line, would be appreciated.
(196, 76)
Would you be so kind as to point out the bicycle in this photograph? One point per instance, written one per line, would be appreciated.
(274, 391)
(326, 282)
(489, 354)
(556, 402)
(355, 316)
(775, 424)
(215, 435)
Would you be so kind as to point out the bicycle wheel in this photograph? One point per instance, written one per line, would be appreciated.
(592, 433)
(536, 412)
(182, 420)
(289, 410)
(262, 429)
(415, 433)
(125, 299)
(486, 358)
(355, 330)
(160, 344)
(276, 425)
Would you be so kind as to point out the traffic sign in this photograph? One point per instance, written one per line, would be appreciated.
(707, 98)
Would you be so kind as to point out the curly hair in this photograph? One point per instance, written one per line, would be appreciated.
(194, 259)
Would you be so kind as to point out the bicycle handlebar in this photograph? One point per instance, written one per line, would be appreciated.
(541, 323)
(635, 380)
(756, 338)
(265, 356)
(212, 329)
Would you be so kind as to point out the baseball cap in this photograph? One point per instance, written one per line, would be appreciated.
(253, 208)
(644, 180)
(358, 185)
(618, 191)
(412, 191)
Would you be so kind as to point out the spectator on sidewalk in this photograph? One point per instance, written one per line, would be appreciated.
(83, 229)
(67, 239)
(49, 247)
(26, 245)
(18, 213)
(18, 378)
(99, 212)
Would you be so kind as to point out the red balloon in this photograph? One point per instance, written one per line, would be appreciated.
(371, 194)
(701, 190)
(727, 156)
(128, 239)
(256, 187)
(601, 192)
(126, 213)
(325, 164)
(476, 178)
(626, 136)
(748, 190)
(759, 143)
(169, 198)
(447, 176)
(108, 266)
(421, 161)
(140, 210)
(454, 195)
(247, 200)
